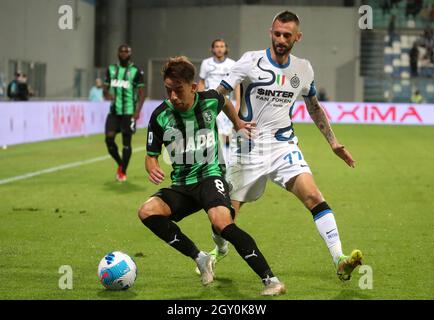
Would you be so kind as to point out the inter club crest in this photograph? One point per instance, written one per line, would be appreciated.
(295, 81)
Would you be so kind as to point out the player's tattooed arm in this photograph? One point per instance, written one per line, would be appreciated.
(156, 174)
(319, 117)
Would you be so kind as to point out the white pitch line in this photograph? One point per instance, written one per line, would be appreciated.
(59, 168)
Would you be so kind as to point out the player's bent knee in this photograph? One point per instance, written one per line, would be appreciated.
(220, 218)
(109, 141)
(152, 207)
(312, 199)
(110, 135)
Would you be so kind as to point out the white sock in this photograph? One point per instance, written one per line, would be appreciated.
(269, 280)
(328, 230)
(222, 244)
(200, 255)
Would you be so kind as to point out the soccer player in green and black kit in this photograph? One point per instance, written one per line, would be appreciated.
(125, 88)
(185, 124)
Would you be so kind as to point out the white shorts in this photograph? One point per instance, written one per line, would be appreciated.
(224, 125)
(248, 180)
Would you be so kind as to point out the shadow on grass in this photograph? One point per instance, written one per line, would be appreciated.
(351, 294)
(123, 187)
(227, 288)
(224, 286)
(116, 295)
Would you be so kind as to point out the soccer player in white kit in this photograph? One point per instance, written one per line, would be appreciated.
(212, 71)
(272, 79)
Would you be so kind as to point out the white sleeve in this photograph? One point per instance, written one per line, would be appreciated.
(238, 71)
(309, 89)
(203, 72)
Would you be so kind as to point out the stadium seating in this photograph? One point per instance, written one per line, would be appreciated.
(419, 21)
(386, 62)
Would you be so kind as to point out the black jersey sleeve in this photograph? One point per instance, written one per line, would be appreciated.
(213, 94)
(155, 137)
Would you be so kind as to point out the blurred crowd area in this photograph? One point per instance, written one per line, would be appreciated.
(397, 59)
(403, 41)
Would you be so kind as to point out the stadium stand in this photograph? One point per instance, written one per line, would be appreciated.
(385, 51)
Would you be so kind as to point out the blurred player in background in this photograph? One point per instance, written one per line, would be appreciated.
(274, 78)
(186, 124)
(18, 89)
(96, 93)
(212, 71)
(125, 88)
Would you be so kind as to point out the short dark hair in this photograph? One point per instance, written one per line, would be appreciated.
(286, 16)
(179, 69)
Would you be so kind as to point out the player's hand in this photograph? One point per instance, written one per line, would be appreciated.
(342, 153)
(136, 115)
(247, 129)
(156, 175)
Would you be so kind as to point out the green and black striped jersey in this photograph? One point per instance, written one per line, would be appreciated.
(190, 137)
(122, 83)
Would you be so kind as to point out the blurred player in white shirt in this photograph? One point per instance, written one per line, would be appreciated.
(212, 72)
(272, 79)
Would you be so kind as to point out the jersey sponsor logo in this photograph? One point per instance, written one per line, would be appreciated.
(295, 81)
(202, 141)
(115, 83)
(275, 93)
(279, 98)
(197, 148)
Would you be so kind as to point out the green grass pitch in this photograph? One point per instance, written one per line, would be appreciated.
(385, 207)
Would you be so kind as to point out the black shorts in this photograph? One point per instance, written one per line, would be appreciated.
(119, 123)
(185, 200)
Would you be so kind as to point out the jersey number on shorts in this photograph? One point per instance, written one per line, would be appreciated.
(220, 186)
(290, 156)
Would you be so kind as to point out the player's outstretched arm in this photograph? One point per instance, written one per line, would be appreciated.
(320, 118)
(156, 174)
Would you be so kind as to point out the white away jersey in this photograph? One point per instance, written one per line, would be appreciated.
(269, 91)
(213, 71)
